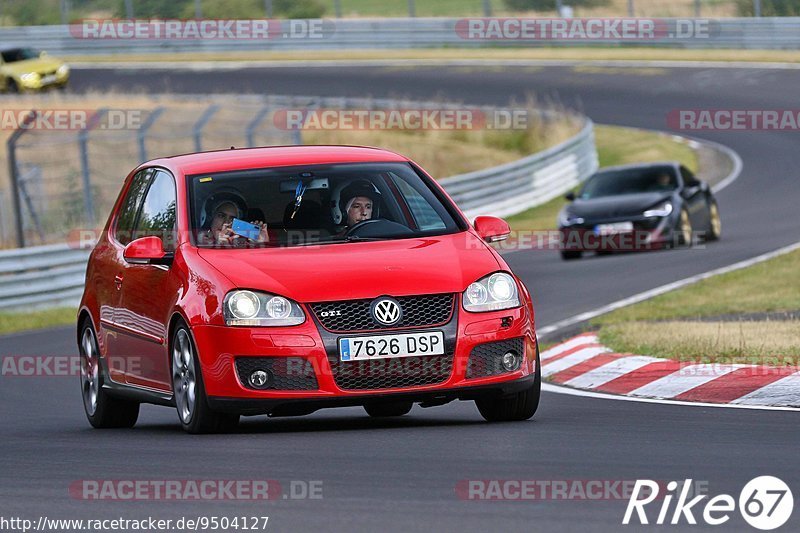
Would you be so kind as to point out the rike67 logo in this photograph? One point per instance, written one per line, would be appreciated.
(765, 503)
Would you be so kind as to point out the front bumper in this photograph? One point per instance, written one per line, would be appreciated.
(647, 234)
(219, 348)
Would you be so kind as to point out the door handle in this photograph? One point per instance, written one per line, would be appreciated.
(118, 281)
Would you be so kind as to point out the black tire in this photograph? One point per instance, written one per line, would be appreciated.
(714, 223)
(199, 418)
(569, 255)
(11, 86)
(381, 410)
(515, 408)
(102, 410)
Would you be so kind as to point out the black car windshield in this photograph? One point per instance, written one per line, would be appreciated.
(19, 54)
(319, 204)
(629, 181)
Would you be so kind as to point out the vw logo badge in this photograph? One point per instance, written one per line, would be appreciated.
(387, 311)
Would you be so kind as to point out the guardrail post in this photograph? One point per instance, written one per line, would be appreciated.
(13, 172)
(757, 8)
(412, 11)
(198, 9)
(697, 8)
(197, 130)
(337, 8)
(129, 8)
(251, 127)
(142, 135)
(487, 8)
(83, 141)
(630, 8)
(268, 8)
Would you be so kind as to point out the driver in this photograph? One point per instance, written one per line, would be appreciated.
(358, 202)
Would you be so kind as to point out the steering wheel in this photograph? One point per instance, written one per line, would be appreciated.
(358, 225)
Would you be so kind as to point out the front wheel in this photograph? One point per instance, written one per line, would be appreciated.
(517, 407)
(569, 255)
(714, 222)
(190, 397)
(102, 410)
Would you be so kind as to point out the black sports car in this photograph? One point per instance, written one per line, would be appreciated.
(638, 207)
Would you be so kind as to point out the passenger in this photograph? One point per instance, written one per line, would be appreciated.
(221, 209)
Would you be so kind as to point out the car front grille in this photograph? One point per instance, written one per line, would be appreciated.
(391, 373)
(487, 359)
(354, 315)
(283, 373)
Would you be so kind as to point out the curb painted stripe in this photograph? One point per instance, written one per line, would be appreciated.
(584, 367)
(586, 338)
(785, 391)
(647, 374)
(683, 380)
(735, 385)
(613, 370)
(550, 368)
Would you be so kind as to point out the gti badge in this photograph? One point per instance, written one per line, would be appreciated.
(386, 311)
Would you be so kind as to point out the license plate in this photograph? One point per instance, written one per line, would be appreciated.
(611, 229)
(49, 79)
(388, 346)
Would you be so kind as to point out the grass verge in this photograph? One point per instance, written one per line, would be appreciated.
(46, 318)
(667, 325)
(615, 146)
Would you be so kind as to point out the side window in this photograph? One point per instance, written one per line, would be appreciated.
(157, 217)
(688, 178)
(130, 207)
(424, 214)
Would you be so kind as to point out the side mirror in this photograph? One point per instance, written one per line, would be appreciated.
(147, 251)
(492, 229)
(570, 196)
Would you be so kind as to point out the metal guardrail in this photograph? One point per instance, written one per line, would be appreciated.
(53, 275)
(406, 33)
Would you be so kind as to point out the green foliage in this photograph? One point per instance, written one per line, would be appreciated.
(32, 12)
(769, 8)
(156, 8)
(550, 5)
(298, 9)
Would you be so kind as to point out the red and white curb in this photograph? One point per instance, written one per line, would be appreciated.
(583, 363)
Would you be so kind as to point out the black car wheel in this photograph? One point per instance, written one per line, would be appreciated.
(714, 222)
(11, 86)
(568, 255)
(517, 407)
(684, 230)
(102, 410)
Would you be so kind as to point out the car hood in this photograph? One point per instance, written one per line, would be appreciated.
(40, 65)
(626, 205)
(359, 270)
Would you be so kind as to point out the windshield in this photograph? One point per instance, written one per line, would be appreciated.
(629, 181)
(19, 54)
(319, 204)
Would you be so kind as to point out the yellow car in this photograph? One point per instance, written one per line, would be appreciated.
(26, 69)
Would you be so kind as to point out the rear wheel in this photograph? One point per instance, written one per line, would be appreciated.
(517, 407)
(568, 255)
(190, 397)
(714, 222)
(381, 410)
(102, 410)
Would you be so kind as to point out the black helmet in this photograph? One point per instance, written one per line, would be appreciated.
(359, 188)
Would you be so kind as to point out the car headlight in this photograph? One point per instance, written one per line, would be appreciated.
(249, 308)
(63, 70)
(492, 293)
(567, 219)
(30, 77)
(660, 211)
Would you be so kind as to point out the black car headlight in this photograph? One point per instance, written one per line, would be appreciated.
(249, 308)
(491, 293)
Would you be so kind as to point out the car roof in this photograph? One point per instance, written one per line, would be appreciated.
(641, 166)
(274, 156)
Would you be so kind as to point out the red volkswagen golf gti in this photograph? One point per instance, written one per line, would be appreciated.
(284, 280)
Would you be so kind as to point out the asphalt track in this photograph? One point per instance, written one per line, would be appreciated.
(401, 475)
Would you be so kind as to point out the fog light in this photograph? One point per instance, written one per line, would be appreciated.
(511, 360)
(259, 379)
